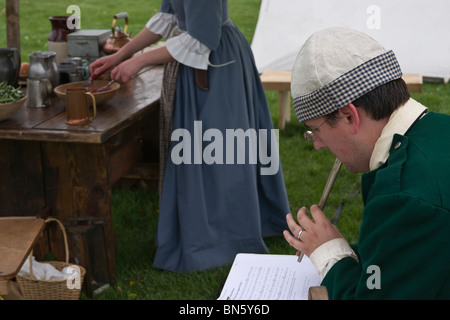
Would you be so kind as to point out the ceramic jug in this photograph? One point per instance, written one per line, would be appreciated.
(57, 39)
(10, 65)
(43, 66)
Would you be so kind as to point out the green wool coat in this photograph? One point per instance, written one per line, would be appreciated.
(404, 241)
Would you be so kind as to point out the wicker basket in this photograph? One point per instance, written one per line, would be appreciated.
(34, 289)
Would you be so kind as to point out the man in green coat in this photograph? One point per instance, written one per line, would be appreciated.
(347, 89)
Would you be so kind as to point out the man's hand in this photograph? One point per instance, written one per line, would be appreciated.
(315, 232)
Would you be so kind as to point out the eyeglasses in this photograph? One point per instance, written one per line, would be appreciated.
(309, 135)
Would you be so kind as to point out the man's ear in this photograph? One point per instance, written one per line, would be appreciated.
(350, 116)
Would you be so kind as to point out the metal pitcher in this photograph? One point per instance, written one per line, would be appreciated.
(43, 66)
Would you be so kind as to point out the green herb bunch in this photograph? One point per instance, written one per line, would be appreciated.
(9, 94)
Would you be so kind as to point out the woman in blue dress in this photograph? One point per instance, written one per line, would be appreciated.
(222, 186)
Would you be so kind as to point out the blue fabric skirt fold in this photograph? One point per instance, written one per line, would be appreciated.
(220, 196)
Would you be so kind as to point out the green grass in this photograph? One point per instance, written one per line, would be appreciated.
(135, 210)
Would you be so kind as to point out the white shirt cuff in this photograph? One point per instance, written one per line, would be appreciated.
(326, 255)
(188, 51)
(162, 23)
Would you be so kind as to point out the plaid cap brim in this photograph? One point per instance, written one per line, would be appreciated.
(348, 87)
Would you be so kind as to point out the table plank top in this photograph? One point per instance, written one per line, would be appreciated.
(134, 100)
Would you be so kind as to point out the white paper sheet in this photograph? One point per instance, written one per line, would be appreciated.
(269, 277)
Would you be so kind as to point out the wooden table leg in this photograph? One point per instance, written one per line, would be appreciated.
(284, 111)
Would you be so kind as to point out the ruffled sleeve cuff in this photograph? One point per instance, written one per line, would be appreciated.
(188, 51)
(326, 255)
(162, 23)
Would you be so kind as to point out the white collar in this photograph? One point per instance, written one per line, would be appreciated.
(399, 122)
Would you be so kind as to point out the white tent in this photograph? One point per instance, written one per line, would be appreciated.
(416, 30)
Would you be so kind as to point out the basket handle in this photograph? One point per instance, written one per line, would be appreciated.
(66, 244)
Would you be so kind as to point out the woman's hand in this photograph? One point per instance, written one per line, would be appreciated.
(126, 70)
(104, 65)
(314, 232)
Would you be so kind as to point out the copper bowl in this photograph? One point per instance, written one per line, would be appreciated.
(100, 97)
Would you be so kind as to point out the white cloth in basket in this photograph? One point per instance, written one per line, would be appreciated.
(45, 271)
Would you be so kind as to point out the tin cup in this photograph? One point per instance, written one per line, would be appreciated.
(77, 106)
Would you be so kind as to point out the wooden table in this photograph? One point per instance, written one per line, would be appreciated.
(67, 170)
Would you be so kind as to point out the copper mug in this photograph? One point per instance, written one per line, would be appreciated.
(77, 106)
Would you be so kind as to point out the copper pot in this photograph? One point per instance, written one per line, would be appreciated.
(118, 37)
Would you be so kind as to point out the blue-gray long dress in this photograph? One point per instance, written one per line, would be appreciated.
(211, 212)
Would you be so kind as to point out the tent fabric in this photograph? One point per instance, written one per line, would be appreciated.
(414, 29)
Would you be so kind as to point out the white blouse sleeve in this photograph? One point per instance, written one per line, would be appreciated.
(327, 254)
(188, 51)
(183, 47)
(162, 23)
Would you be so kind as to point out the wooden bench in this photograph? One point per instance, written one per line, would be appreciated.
(413, 81)
(281, 81)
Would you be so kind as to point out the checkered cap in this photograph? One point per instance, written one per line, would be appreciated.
(372, 70)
